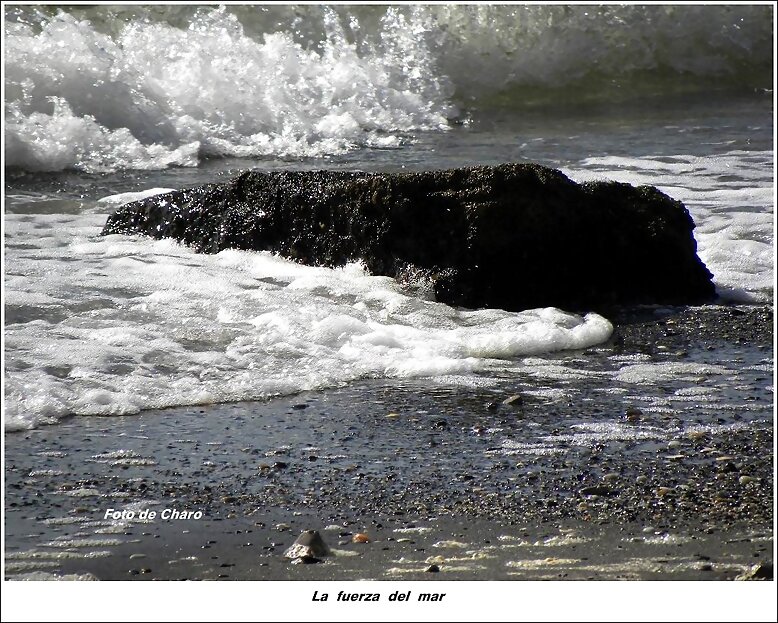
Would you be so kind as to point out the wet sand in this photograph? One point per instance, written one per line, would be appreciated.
(586, 476)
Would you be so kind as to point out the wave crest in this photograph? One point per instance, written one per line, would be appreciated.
(106, 88)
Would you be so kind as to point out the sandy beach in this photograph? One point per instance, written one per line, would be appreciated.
(591, 483)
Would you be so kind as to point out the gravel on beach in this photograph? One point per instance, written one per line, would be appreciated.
(570, 471)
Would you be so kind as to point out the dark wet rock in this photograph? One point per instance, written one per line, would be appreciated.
(514, 236)
(432, 569)
(308, 547)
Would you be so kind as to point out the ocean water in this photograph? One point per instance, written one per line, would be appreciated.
(107, 104)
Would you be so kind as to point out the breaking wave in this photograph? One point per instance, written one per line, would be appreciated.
(101, 89)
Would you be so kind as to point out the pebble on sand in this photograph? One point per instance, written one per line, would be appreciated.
(360, 537)
(308, 547)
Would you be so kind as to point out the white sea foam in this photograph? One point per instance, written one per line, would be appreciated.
(36, 473)
(650, 373)
(56, 555)
(510, 447)
(416, 530)
(583, 435)
(67, 542)
(561, 372)
(82, 493)
(112, 325)
(29, 565)
(122, 198)
(551, 394)
(155, 95)
(667, 539)
(39, 576)
(591, 433)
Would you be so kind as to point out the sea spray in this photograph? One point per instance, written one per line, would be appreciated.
(107, 88)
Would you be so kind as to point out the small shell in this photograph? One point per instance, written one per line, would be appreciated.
(360, 537)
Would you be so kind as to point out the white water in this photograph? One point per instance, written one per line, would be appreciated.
(109, 88)
(125, 324)
(157, 95)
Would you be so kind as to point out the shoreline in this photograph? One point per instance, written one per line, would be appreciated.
(426, 471)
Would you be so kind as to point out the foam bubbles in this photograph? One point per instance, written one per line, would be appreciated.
(114, 325)
(156, 95)
(39, 576)
(650, 373)
(109, 88)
